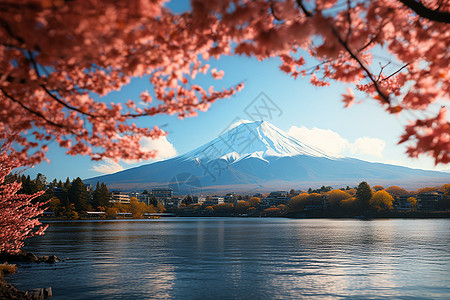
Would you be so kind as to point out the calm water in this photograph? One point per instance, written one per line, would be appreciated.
(229, 258)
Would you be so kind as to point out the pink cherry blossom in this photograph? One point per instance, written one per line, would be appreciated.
(54, 55)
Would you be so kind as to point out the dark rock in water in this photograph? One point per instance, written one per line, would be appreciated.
(24, 256)
(40, 293)
(31, 257)
(49, 259)
(52, 259)
(37, 294)
(8, 291)
(48, 292)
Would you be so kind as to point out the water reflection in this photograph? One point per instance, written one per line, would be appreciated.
(243, 258)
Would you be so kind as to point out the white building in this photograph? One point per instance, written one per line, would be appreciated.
(119, 197)
(213, 201)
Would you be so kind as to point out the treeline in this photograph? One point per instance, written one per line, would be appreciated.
(251, 207)
(364, 198)
(73, 199)
(326, 201)
(135, 208)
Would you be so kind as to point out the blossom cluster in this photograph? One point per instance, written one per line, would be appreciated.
(55, 55)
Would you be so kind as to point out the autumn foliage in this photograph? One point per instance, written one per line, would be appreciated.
(381, 201)
(57, 58)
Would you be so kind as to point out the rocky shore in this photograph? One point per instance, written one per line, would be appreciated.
(9, 291)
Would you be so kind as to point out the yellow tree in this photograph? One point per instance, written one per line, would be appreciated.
(446, 189)
(138, 208)
(427, 190)
(377, 188)
(336, 196)
(348, 204)
(297, 203)
(381, 201)
(242, 207)
(396, 191)
(254, 201)
(413, 202)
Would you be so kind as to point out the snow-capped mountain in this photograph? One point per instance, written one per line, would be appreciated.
(258, 156)
(254, 139)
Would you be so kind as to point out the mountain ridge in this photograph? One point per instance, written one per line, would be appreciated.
(258, 156)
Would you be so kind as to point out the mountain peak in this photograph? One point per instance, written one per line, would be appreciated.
(254, 139)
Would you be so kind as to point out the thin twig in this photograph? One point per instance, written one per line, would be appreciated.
(33, 62)
(35, 112)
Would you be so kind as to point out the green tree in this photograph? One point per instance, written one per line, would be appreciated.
(363, 196)
(152, 200)
(101, 196)
(64, 196)
(77, 195)
(188, 200)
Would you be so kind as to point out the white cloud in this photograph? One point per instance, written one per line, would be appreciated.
(162, 145)
(369, 146)
(331, 142)
(164, 149)
(324, 139)
(108, 166)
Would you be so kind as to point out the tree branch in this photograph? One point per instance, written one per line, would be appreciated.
(427, 13)
(307, 13)
(395, 72)
(272, 10)
(35, 112)
(352, 55)
(33, 62)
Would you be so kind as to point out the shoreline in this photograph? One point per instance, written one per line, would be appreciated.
(304, 215)
(9, 291)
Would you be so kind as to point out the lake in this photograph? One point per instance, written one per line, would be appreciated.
(242, 258)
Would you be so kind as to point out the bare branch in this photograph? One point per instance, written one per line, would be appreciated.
(307, 13)
(35, 112)
(352, 54)
(33, 62)
(395, 72)
(427, 13)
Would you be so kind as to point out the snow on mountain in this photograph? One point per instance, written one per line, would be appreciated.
(247, 139)
(258, 156)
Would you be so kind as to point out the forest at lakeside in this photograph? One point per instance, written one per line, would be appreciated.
(73, 199)
(362, 200)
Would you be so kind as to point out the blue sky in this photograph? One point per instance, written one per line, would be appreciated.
(300, 104)
(314, 115)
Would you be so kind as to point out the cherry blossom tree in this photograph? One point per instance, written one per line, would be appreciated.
(56, 55)
(18, 216)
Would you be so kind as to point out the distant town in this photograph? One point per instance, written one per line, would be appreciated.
(73, 199)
